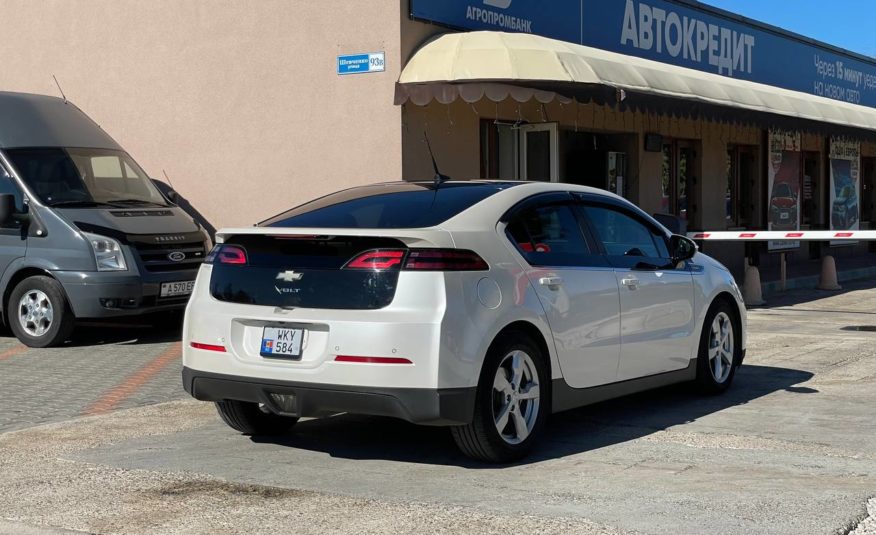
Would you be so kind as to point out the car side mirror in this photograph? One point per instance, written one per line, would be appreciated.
(172, 196)
(681, 248)
(7, 208)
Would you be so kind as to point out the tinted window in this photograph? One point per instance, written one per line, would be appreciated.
(401, 205)
(60, 176)
(551, 236)
(7, 185)
(627, 240)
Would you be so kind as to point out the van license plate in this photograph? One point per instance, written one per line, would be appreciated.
(278, 342)
(176, 289)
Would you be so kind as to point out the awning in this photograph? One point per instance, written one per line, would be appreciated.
(496, 65)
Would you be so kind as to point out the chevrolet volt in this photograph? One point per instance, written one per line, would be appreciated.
(482, 306)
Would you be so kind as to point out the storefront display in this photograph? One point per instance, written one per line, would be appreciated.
(845, 164)
(785, 156)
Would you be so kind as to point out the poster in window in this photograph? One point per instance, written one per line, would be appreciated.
(845, 165)
(785, 158)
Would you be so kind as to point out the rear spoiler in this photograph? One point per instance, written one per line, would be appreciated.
(428, 237)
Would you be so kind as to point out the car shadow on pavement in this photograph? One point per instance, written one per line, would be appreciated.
(95, 335)
(808, 295)
(577, 431)
(127, 331)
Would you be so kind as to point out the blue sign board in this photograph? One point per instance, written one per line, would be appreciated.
(675, 33)
(362, 63)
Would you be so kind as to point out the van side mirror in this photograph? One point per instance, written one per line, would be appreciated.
(172, 196)
(7, 208)
(681, 248)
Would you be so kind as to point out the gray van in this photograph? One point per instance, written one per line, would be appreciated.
(84, 232)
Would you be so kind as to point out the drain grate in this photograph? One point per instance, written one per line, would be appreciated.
(865, 328)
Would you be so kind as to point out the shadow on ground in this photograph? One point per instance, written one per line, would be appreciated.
(125, 331)
(569, 433)
(802, 296)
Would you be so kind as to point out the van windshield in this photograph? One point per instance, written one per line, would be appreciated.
(84, 177)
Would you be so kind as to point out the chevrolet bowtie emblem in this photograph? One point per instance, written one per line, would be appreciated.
(289, 276)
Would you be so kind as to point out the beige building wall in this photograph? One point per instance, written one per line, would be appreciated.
(239, 101)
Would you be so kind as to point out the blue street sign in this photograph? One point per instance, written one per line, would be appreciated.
(362, 63)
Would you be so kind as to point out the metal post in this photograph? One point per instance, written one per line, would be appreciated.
(784, 266)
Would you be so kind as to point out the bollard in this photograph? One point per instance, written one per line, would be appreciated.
(828, 279)
(752, 293)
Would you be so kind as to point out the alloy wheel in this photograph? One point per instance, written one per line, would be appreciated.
(516, 397)
(721, 347)
(35, 313)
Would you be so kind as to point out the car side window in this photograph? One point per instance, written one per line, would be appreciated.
(628, 242)
(7, 185)
(551, 235)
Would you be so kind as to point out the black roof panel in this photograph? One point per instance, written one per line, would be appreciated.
(41, 121)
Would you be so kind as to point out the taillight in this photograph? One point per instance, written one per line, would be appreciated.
(418, 260)
(226, 254)
(377, 260)
(444, 260)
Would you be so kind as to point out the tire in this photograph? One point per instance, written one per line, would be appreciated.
(250, 419)
(49, 322)
(482, 439)
(720, 351)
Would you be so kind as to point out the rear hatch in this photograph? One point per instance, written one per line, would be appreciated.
(346, 250)
(328, 272)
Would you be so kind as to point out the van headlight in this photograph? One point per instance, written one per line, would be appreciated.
(107, 253)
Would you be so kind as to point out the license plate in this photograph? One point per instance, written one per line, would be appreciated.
(176, 289)
(279, 342)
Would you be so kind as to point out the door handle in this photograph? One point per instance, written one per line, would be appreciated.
(630, 282)
(551, 282)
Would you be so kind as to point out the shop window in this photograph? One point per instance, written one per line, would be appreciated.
(678, 180)
(500, 150)
(741, 176)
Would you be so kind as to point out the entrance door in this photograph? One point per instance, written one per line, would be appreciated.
(576, 287)
(656, 300)
(539, 152)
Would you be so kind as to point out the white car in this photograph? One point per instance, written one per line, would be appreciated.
(483, 306)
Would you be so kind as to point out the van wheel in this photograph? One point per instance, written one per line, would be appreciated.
(720, 349)
(512, 403)
(253, 419)
(38, 312)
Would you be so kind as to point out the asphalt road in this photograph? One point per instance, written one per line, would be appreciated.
(790, 449)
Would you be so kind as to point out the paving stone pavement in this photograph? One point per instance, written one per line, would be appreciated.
(48, 385)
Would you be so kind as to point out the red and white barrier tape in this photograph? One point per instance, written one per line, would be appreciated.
(783, 235)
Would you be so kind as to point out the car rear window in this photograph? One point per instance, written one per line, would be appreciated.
(389, 206)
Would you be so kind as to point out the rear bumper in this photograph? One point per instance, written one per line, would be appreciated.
(446, 406)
